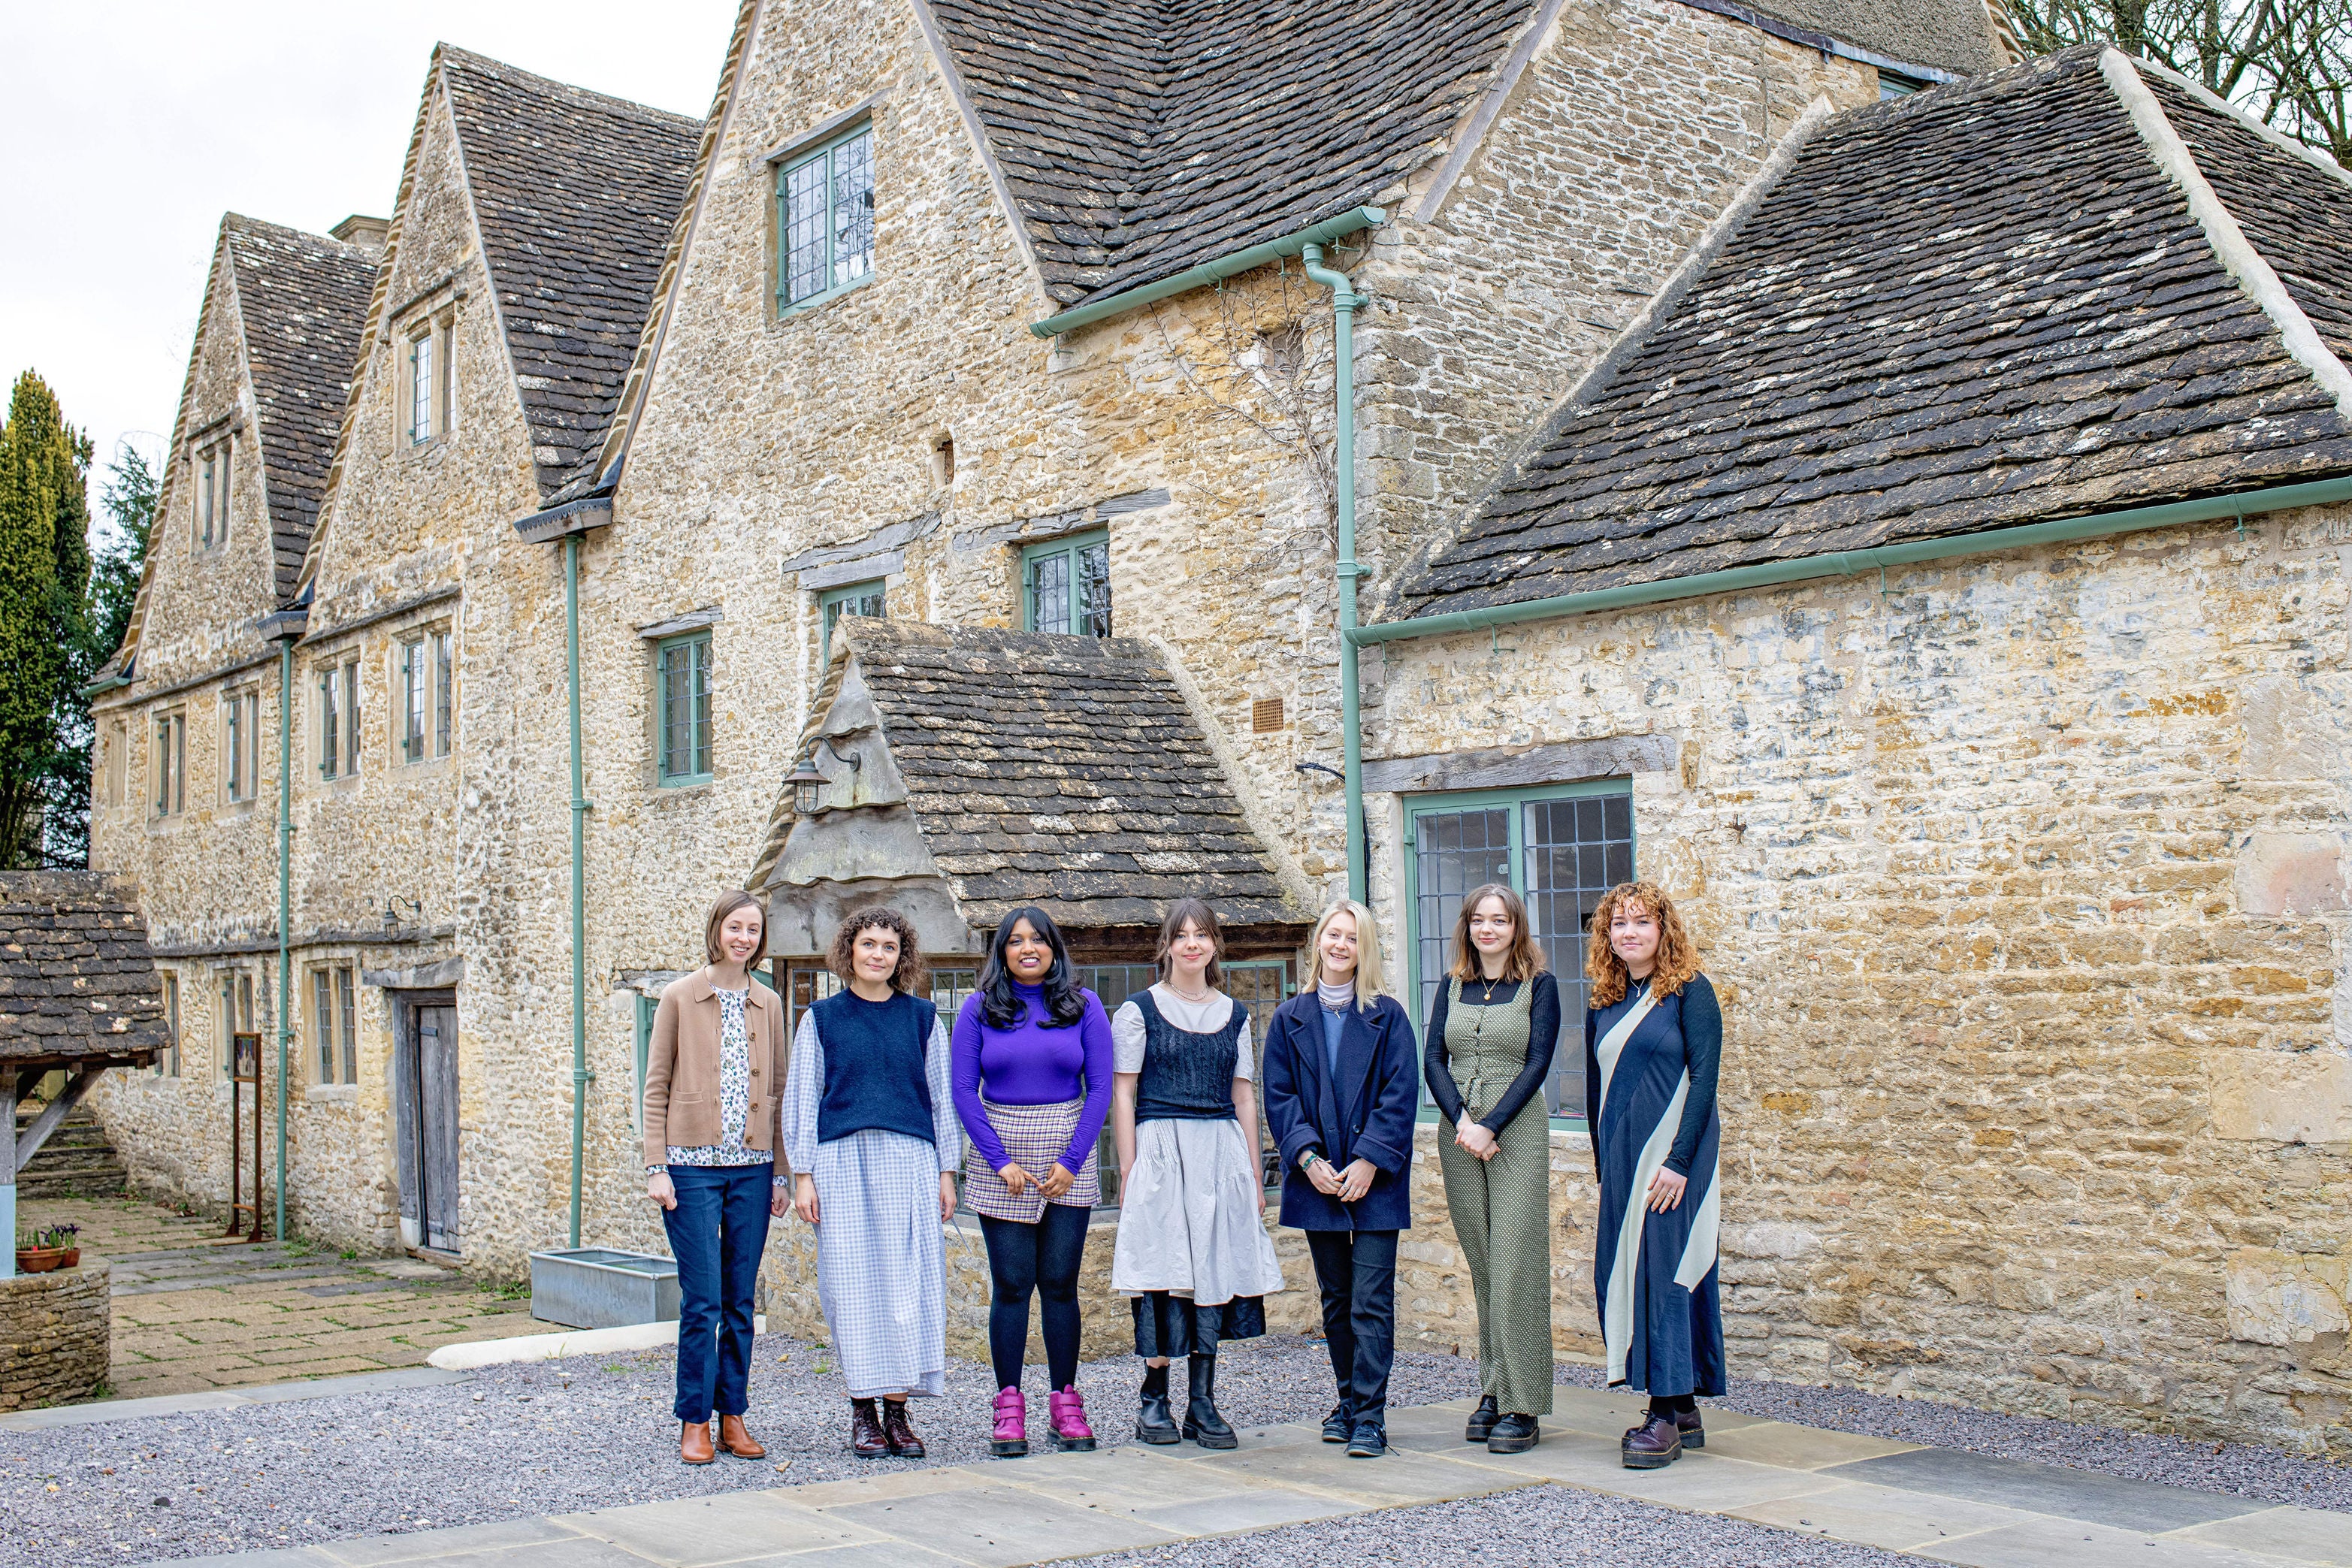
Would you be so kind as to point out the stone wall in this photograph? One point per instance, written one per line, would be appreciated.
(53, 1334)
(2021, 878)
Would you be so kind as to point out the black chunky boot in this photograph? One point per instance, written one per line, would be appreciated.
(1201, 1422)
(1154, 1422)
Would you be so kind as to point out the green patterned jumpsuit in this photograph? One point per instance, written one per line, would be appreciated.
(1502, 1207)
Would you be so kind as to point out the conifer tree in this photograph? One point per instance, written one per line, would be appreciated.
(44, 570)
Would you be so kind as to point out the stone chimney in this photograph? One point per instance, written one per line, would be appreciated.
(362, 230)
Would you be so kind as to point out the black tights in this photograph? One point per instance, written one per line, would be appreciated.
(1671, 1404)
(1044, 1258)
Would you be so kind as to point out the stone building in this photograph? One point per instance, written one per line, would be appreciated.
(968, 374)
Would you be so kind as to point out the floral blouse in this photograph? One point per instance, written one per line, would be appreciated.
(734, 1094)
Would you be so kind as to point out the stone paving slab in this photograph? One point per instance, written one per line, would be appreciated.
(193, 1312)
(1933, 1503)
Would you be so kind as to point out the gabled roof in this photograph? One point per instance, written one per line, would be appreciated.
(1986, 305)
(78, 984)
(1948, 34)
(1062, 771)
(574, 193)
(304, 301)
(1139, 137)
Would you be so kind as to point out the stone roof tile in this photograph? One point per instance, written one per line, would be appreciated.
(1983, 306)
(304, 301)
(574, 193)
(77, 981)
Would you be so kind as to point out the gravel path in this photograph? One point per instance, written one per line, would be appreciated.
(562, 1437)
(2237, 1468)
(531, 1438)
(1539, 1526)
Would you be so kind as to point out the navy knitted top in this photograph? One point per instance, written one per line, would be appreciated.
(874, 1065)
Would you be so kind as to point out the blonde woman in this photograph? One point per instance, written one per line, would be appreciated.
(710, 1118)
(1339, 1101)
(1652, 1044)
(1488, 1048)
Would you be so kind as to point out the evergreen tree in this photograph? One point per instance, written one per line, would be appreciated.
(44, 571)
(130, 496)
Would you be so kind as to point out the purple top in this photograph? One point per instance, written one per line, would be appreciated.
(1031, 1064)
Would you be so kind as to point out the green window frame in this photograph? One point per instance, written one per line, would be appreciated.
(647, 1007)
(1559, 847)
(1065, 585)
(825, 220)
(682, 701)
(851, 599)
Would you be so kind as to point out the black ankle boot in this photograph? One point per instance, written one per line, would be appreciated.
(1154, 1422)
(1201, 1422)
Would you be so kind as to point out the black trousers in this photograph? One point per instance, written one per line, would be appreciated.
(1357, 1272)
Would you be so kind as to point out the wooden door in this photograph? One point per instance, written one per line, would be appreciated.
(426, 1117)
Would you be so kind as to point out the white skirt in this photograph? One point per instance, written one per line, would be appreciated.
(1188, 1218)
(881, 1263)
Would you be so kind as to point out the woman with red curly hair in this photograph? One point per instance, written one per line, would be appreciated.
(870, 1128)
(1652, 1044)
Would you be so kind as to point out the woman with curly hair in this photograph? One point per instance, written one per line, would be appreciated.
(869, 1127)
(1492, 1031)
(1653, 1043)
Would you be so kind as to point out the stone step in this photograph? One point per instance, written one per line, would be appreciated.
(77, 1161)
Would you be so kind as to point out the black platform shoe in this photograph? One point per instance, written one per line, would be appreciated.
(1513, 1433)
(1201, 1422)
(1652, 1445)
(1340, 1425)
(1693, 1435)
(1481, 1421)
(1154, 1422)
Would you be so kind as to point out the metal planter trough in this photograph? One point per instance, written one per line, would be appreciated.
(603, 1288)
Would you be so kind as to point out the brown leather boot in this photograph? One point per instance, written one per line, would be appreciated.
(866, 1437)
(900, 1431)
(737, 1440)
(693, 1443)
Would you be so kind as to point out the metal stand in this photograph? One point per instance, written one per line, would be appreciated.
(244, 1048)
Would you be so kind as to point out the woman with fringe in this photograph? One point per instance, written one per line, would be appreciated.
(1193, 1251)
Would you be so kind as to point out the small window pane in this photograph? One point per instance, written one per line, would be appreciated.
(1049, 592)
(420, 389)
(414, 691)
(853, 209)
(346, 1011)
(804, 231)
(235, 747)
(684, 677)
(351, 717)
(1093, 588)
(442, 674)
(323, 1023)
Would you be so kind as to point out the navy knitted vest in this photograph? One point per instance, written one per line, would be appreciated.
(874, 1065)
(1186, 1076)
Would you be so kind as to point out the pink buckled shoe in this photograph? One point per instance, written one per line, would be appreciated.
(1010, 1440)
(1068, 1409)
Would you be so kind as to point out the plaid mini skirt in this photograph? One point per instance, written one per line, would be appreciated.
(1034, 1138)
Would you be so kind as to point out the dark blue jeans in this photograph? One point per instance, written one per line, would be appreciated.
(716, 1233)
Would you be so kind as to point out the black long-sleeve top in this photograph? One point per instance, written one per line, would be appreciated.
(1543, 1038)
(1702, 1018)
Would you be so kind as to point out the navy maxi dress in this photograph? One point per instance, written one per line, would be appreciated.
(1649, 1094)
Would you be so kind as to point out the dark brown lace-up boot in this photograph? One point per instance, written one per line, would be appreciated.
(866, 1437)
(1653, 1444)
(899, 1430)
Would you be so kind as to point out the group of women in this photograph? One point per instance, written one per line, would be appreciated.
(880, 1104)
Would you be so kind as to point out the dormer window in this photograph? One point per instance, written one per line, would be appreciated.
(825, 200)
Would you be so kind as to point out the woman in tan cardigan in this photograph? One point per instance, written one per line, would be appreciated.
(714, 1081)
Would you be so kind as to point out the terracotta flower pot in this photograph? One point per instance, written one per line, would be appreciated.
(39, 1259)
(73, 1259)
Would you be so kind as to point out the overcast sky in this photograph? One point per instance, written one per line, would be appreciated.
(131, 126)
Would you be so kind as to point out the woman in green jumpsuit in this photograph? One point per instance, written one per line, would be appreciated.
(1489, 1045)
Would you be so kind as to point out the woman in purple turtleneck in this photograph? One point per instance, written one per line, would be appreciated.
(1032, 1062)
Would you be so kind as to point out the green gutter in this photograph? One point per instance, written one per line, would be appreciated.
(1209, 272)
(285, 896)
(580, 1074)
(105, 684)
(1345, 303)
(1849, 563)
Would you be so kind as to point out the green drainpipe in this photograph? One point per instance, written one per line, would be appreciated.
(1345, 303)
(285, 896)
(580, 1074)
(1849, 563)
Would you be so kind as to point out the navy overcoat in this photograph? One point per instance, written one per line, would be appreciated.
(1369, 1113)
